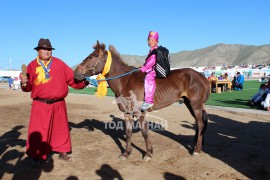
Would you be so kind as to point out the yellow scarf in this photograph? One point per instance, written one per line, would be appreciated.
(41, 73)
(102, 85)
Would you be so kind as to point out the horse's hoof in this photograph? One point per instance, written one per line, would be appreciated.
(122, 158)
(196, 151)
(147, 159)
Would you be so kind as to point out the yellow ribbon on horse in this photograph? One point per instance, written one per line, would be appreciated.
(102, 85)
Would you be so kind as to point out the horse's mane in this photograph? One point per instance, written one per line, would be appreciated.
(116, 55)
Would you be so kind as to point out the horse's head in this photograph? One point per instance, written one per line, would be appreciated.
(93, 64)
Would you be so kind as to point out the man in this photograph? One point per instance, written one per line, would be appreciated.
(48, 79)
(266, 103)
(212, 77)
(239, 82)
(10, 81)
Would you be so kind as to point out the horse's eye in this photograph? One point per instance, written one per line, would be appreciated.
(93, 56)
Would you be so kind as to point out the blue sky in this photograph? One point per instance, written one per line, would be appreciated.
(73, 27)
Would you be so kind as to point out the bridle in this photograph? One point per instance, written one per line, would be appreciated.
(93, 68)
(105, 79)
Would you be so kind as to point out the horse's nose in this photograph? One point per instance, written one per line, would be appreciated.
(78, 76)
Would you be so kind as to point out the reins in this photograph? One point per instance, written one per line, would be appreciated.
(102, 81)
(119, 76)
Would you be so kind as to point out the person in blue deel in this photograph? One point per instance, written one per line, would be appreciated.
(239, 82)
(10, 81)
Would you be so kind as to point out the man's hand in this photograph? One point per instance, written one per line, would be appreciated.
(86, 82)
(83, 80)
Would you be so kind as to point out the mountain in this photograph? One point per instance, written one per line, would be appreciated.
(219, 54)
(216, 55)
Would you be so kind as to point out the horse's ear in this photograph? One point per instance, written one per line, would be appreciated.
(96, 46)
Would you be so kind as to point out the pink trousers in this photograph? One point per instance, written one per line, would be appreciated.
(149, 87)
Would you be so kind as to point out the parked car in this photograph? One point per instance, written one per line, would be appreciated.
(4, 79)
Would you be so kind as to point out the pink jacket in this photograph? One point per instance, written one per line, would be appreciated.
(148, 66)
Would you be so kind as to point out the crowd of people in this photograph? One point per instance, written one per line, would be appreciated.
(261, 99)
(236, 84)
(240, 66)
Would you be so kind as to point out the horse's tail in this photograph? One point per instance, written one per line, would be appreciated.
(205, 118)
(207, 93)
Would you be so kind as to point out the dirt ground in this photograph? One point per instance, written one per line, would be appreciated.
(237, 143)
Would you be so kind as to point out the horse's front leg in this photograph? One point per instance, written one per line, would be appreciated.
(144, 129)
(129, 125)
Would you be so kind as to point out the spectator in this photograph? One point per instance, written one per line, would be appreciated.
(221, 77)
(212, 77)
(10, 81)
(226, 78)
(259, 96)
(16, 83)
(266, 102)
(239, 82)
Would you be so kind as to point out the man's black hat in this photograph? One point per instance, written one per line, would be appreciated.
(44, 44)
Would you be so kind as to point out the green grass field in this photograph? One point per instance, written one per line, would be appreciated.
(237, 99)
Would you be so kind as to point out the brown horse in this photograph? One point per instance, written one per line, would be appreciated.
(181, 84)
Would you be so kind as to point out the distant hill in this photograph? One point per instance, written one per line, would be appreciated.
(229, 54)
(219, 54)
